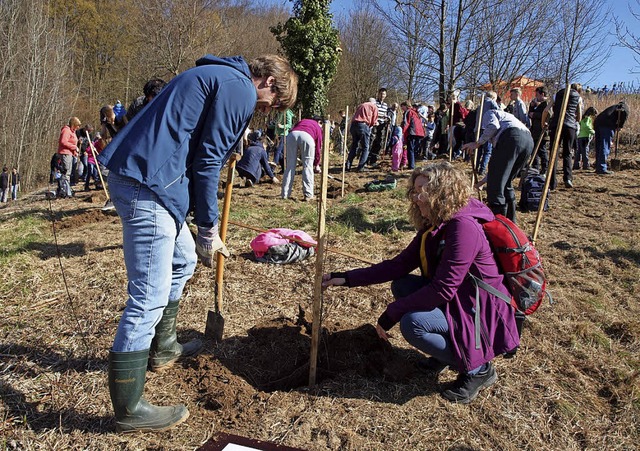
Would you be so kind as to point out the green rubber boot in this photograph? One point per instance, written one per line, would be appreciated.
(126, 383)
(165, 349)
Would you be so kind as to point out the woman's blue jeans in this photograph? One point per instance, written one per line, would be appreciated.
(159, 261)
(428, 331)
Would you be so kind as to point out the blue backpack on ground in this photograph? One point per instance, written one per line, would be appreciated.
(531, 189)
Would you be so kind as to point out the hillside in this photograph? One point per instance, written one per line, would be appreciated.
(574, 385)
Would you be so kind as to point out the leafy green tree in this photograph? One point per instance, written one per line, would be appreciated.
(311, 43)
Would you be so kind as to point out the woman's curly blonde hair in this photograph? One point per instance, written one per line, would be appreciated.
(447, 190)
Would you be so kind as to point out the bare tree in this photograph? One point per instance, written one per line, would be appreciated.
(174, 33)
(407, 45)
(436, 42)
(579, 45)
(630, 38)
(246, 28)
(513, 40)
(363, 67)
(34, 85)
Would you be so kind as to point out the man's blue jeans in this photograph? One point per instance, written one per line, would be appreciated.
(360, 134)
(278, 152)
(159, 261)
(428, 331)
(603, 138)
(413, 147)
(484, 154)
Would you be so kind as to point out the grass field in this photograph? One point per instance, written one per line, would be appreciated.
(574, 385)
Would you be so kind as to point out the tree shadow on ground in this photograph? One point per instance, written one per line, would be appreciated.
(356, 218)
(33, 362)
(46, 357)
(620, 257)
(46, 214)
(48, 250)
(353, 363)
(65, 420)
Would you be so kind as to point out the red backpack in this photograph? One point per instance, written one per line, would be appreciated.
(519, 262)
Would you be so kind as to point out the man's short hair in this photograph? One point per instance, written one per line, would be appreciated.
(516, 90)
(286, 80)
(153, 87)
(382, 89)
(542, 90)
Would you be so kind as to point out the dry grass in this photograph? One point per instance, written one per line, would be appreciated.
(630, 134)
(573, 386)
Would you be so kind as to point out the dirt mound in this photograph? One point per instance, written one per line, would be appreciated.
(96, 197)
(84, 218)
(275, 355)
(631, 163)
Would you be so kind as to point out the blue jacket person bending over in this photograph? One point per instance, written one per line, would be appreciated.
(166, 162)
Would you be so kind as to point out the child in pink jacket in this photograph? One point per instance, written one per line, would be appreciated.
(398, 155)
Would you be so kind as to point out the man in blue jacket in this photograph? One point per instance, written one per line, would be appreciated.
(167, 162)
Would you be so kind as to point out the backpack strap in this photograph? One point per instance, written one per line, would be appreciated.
(479, 283)
(424, 266)
(519, 250)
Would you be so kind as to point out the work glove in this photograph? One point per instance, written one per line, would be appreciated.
(208, 242)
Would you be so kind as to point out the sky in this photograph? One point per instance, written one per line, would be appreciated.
(616, 69)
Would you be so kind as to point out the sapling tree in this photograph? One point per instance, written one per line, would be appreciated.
(311, 44)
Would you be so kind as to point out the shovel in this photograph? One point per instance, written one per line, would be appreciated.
(215, 321)
(615, 162)
(108, 205)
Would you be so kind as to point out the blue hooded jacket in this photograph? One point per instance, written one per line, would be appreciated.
(178, 144)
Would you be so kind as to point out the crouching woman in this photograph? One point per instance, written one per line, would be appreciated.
(440, 311)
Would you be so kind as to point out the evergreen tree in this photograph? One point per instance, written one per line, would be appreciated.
(311, 44)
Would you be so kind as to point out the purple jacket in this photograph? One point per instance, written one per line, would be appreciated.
(466, 249)
(312, 128)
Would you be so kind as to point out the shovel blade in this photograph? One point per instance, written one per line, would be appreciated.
(615, 164)
(215, 326)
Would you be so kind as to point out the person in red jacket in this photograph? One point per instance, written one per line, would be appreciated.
(412, 131)
(68, 150)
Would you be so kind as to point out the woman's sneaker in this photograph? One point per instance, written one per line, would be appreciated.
(467, 386)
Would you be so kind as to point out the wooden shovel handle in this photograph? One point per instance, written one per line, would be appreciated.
(224, 221)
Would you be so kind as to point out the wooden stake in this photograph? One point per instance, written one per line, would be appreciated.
(474, 161)
(347, 125)
(450, 140)
(322, 241)
(552, 161)
(535, 151)
(284, 142)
